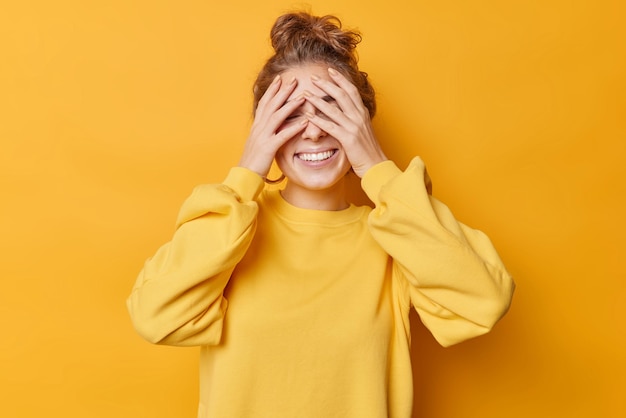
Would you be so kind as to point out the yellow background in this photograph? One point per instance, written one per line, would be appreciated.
(112, 111)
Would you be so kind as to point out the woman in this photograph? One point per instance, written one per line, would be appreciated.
(299, 299)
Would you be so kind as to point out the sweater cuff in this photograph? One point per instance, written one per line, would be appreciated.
(244, 182)
(376, 177)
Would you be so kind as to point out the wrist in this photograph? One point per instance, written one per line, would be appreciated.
(364, 168)
(260, 169)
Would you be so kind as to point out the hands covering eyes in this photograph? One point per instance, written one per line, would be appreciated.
(265, 136)
(345, 118)
(348, 121)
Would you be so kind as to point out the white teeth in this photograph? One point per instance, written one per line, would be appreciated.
(316, 156)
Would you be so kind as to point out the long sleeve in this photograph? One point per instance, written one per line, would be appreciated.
(451, 273)
(178, 297)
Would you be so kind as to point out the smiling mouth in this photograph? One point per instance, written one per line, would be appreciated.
(316, 156)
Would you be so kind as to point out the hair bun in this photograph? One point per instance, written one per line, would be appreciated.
(300, 38)
(293, 31)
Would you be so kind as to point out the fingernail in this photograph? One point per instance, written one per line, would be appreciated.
(332, 71)
(309, 115)
(293, 80)
(307, 93)
(276, 79)
(314, 77)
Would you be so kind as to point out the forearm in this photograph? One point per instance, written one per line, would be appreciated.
(178, 296)
(454, 275)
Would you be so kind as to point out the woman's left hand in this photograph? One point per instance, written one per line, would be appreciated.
(349, 121)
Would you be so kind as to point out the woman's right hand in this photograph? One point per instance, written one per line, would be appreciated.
(266, 134)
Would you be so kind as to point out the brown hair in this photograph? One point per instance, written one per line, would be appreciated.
(300, 38)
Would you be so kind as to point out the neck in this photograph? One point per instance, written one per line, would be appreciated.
(332, 198)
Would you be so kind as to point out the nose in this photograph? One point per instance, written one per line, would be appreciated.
(313, 132)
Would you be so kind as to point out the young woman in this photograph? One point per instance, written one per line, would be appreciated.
(299, 299)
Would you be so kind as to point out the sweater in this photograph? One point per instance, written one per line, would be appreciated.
(305, 313)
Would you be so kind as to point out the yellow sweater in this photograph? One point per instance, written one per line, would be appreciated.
(304, 313)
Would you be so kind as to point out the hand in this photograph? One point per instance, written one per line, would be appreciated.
(266, 137)
(349, 121)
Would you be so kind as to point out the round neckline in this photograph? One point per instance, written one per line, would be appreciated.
(296, 214)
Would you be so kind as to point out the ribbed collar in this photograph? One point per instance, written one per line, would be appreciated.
(297, 215)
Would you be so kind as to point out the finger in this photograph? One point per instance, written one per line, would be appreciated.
(340, 96)
(269, 93)
(278, 117)
(280, 97)
(275, 96)
(270, 119)
(329, 110)
(289, 132)
(333, 129)
(347, 86)
(343, 91)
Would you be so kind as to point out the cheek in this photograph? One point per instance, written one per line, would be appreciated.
(283, 152)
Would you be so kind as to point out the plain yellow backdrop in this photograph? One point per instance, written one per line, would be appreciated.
(112, 111)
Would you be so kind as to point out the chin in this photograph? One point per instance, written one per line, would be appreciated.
(317, 183)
